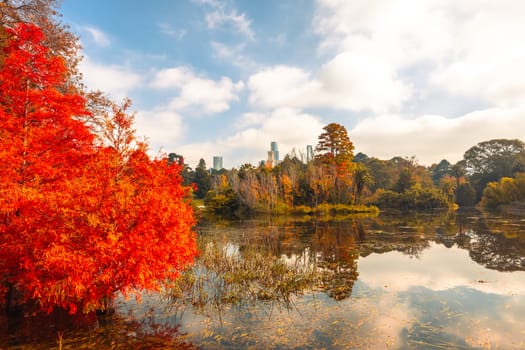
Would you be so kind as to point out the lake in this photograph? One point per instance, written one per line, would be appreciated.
(419, 281)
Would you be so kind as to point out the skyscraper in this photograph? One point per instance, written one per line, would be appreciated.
(275, 149)
(217, 162)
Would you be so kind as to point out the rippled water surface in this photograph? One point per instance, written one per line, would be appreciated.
(401, 282)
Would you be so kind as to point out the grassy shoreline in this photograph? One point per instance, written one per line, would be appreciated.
(334, 209)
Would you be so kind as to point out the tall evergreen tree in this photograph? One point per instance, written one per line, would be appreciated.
(202, 179)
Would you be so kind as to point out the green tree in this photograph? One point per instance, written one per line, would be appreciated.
(224, 202)
(415, 198)
(405, 181)
(505, 191)
(465, 195)
(361, 158)
(222, 198)
(491, 160)
(440, 170)
(382, 172)
(334, 145)
(361, 179)
(458, 171)
(245, 169)
(202, 179)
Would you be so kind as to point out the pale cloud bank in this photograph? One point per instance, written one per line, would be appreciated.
(432, 137)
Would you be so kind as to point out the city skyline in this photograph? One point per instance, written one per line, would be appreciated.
(217, 161)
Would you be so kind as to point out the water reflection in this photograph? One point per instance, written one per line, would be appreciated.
(120, 331)
(453, 280)
(424, 281)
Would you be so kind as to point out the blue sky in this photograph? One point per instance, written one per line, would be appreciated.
(223, 77)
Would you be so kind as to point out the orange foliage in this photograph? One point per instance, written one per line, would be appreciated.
(79, 220)
(287, 185)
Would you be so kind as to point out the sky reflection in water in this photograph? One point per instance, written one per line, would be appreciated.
(445, 297)
(417, 287)
(398, 282)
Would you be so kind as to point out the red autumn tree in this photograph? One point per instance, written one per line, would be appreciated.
(79, 219)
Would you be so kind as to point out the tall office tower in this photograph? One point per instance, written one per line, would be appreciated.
(309, 153)
(275, 149)
(217, 162)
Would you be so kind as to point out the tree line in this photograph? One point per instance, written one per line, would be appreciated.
(489, 174)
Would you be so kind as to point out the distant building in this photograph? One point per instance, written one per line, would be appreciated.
(309, 153)
(217, 163)
(275, 149)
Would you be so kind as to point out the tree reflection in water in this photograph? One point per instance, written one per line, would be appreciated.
(250, 272)
(60, 330)
(496, 242)
(330, 250)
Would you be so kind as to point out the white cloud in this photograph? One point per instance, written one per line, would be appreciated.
(249, 119)
(356, 82)
(171, 78)
(400, 31)
(280, 86)
(349, 81)
(290, 128)
(469, 48)
(431, 137)
(239, 21)
(97, 36)
(197, 93)
(115, 80)
(161, 127)
(224, 14)
(490, 58)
